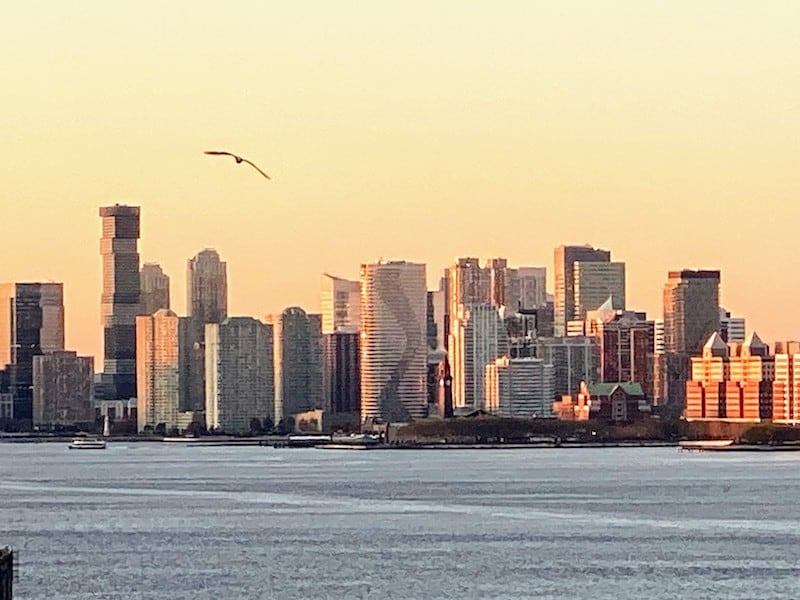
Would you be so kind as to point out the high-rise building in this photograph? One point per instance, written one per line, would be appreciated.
(691, 315)
(393, 341)
(731, 381)
(497, 272)
(786, 386)
(437, 319)
(532, 287)
(341, 372)
(154, 287)
(206, 302)
(691, 310)
(207, 287)
(468, 283)
(298, 361)
(120, 299)
(62, 389)
(625, 341)
(732, 329)
(239, 374)
(341, 303)
(565, 259)
(31, 323)
(658, 336)
(164, 351)
(477, 339)
(574, 360)
(519, 387)
(594, 283)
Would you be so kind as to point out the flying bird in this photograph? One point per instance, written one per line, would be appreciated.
(239, 159)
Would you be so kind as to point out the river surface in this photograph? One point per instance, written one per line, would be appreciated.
(163, 521)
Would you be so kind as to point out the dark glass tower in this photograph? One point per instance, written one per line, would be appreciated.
(119, 304)
(31, 324)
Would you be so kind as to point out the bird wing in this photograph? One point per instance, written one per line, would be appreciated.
(256, 168)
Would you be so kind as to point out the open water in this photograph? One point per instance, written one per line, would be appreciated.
(165, 521)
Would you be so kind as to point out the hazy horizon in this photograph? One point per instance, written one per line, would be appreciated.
(664, 132)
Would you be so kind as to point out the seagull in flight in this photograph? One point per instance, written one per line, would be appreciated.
(239, 159)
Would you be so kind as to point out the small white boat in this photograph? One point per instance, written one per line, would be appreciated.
(87, 444)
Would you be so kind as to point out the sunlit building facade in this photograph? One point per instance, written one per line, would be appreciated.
(393, 341)
(786, 387)
(154, 286)
(565, 259)
(477, 339)
(161, 369)
(594, 283)
(519, 387)
(732, 381)
(341, 303)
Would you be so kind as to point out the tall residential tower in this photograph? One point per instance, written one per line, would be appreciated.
(154, 284)
(207, 287)
(393, 349)
(120, 298)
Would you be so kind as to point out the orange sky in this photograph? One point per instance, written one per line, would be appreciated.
(668, 132)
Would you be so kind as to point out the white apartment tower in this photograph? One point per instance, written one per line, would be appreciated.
(393, 341)
(519, 387)
(478, 338)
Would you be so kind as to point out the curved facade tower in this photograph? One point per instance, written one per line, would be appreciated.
(119, 304)
(393, 341)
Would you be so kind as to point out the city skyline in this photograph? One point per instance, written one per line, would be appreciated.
(316, 302)
(660, 131)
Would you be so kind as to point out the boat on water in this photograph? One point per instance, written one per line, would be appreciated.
(87, 444)
(352, 442)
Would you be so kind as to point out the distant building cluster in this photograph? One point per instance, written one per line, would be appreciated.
(384, 348)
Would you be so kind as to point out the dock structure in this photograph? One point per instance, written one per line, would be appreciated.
(7, 573)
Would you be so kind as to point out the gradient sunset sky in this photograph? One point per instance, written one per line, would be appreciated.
(667, 132)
